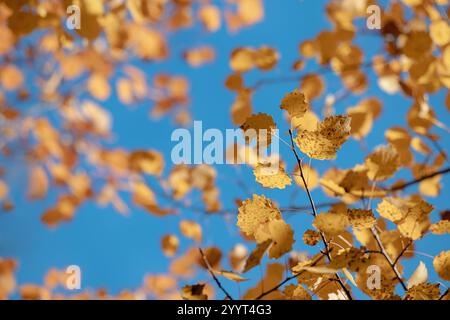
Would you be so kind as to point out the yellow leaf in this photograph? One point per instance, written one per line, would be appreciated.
(191, 229)
(271, 176)
(420, 275)
(295, 104)
(323, 143)
(441, 264)
(231, 276)
(255, 212)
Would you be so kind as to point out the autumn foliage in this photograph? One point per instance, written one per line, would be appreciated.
(54, 83)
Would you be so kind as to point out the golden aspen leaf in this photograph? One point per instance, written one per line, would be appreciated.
(169, 245)
(180, 18)
(361, 123)
(210, 197)
(160, 284)
(273, 276)
(421, 118)
(256, 212)
(250, 11)
(80, 185)
(109, 195)
(242, 106)
(7, 278)
(311, 237)
(71, 66)
(298, 65)
(185, 265)
(420, 146)
(440, 32)
(418, 44)
(180, 181)
(209, 15)
(99, 118)
(231, 276)
(441, 227)
(441, 264)
(194, 292)
(389, 83)
(191, 229)
(237, 257)
(148, 44)
(356, 180)
(94, 7)
(37, 183)
(144, 197)
(242, 59)
(296, 292)
(362, 116)
(309, 122)
(261, 127)
(203, 176)
(124, 91)
(317, 269)
(312, 86)
(98, 86)
(393, 209)
(431, 187)
(360, 218)
(213, 255)
(11, 78)
(271, 176)
(352, 258)
(420, 275)
(401, 140)
(280, 233)
(255, 257)
(423, 291)
(197, 57)
(34, 292)
(146, 161)
(331, 222)
(295, 104)
(7, 40)
(382, 163)
(63, 211)
(307, 49)
(323, 143)
(311, 177)
(266, 58)
(234, 82)
(416, 221)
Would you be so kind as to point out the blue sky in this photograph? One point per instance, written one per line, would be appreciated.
(115, 252)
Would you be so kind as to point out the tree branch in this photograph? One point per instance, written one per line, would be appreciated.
(416, 181)
(313, 207)
(208, 266)
(386, 256)
(444, 295)
(402, 252)
(306, 208)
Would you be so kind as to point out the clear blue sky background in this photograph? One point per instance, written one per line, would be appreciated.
(115, 252)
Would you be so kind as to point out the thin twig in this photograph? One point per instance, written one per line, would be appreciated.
(418, 180)
(386, 256)
(208, 266)
(402, 252)
(444, 294)
(306, 208)
(313, 207)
